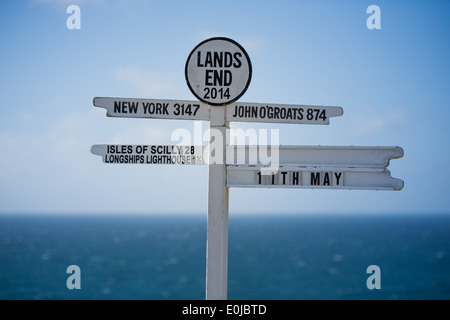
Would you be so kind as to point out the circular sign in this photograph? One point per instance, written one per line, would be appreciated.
(218, 71)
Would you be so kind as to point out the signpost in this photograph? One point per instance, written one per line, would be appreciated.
(218, 72)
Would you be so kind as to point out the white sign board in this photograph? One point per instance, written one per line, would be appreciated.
(281, 113)
(236, 112)
(314, 177)
(149, 154)
(350, 156)
(153, 108)
(218, 71)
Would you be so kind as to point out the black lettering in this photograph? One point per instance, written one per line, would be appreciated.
(315, 178)
(119, 149)
(289, 113)
(208, 59)
(218, 59)
(145, 105)
(338, 177)
(241, 112)
(284, 173)
(151, 108)
(125, 107)
(247, 111)
(196, 106)
(323, 115)
(235, 111)
(254, 112)
(228, 76)
(294, 111)
(199, 59)
(134, 106)
(326, 179)
(262, 112)
(117, 106)
(269, 112)
(218, 77)
(276, 113)
(237, 63)
(208, 77)
(295, 178)
(165, 106)
(228, 60)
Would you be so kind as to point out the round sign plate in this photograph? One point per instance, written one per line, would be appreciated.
(218, 71)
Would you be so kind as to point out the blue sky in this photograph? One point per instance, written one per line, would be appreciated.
(392, 84)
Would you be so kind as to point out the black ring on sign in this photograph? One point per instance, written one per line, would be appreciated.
(249, 69)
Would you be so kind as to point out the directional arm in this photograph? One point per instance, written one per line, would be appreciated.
(236, 112)
(282, 113)
(153, 108)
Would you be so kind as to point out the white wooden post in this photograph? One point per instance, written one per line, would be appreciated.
(217, 233)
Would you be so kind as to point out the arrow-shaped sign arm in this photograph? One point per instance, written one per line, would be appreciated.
(101, 102)
(153, 108)
(314, 177)
(282, 113)
(396, 153)
(149, 154)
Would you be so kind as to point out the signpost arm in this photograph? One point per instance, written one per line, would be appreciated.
(217, 233)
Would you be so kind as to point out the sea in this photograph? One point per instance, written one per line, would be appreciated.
(270, 256)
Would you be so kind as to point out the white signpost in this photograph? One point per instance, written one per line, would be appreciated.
(218, 72)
